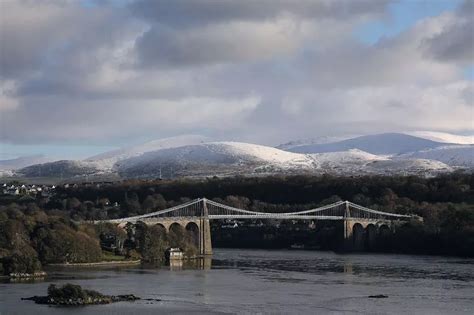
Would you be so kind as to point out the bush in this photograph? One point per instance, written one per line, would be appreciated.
(133, 254)
(25, 261)
(71, 291)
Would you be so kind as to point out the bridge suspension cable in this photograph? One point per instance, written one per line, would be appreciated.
(203, 207)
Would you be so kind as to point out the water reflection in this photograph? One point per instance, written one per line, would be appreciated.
(348, 267)
(320, 263)
(176, 264)
(204, 263)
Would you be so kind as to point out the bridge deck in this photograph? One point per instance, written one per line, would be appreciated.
(207, 209)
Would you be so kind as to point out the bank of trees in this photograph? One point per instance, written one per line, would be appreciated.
(445, 202)
(151, 242)
(42, 231)
(29, 238)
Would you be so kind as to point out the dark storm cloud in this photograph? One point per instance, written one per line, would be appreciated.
(39, 35)
(455, 43)
(187, 33)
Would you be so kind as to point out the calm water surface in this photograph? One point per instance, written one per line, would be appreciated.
(274, 281)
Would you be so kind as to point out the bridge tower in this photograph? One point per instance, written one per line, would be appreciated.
(205, 245)
(354, 231)
(348, 229)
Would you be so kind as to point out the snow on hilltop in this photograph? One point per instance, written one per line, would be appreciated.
(107, 160)
(312, 141)
(23, 161)
(383, 144)
(443, 137)
(195, 156)
(232, 158)
(263, 153)
(353, 157)
(214, 158)
(454, 155)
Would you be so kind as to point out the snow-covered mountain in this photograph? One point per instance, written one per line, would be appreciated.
(61, 169)
(107, 160)
(196, 156)
(408, 166)
(454, 155)
(443, 137)
(23, 161)
(215, 158)
(312, 141)
(233, 158)
(381, 144)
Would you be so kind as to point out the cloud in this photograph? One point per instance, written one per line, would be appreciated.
(7, 99)
(58, 119)
(190, 33)
(455, 41)
(183, 13)
(259, 71)
(45, 34)
(232, 42)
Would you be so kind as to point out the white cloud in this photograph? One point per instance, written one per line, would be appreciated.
(260, 71)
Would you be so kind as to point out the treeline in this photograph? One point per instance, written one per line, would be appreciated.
(432, 198)
(31, 238)
(394, 193)
(36, 231)
(446, 202)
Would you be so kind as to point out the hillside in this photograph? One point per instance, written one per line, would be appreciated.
(194, 156)
(107, 160)
(443, 137)
(457, 155)
(23, 161)
(381, 144)
(216, 158)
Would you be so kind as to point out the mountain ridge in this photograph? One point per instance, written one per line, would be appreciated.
(194, 155)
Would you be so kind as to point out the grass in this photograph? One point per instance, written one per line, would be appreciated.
(108, 256)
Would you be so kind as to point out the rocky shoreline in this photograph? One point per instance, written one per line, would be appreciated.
(105, 299)
(99, 263)
(73, 295)
(24, 275)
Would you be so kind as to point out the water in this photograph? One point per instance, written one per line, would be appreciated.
(271, 281)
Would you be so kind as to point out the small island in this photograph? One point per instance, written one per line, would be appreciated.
(74, 295)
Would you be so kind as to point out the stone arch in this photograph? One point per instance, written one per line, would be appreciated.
(161, 226)
(123, 225)
(370, 237)
(129, 228)
(358, 235)
(384, 230)
(175, 226)
(140, 230)
(192, 230)
(176, 234)
(383, 239)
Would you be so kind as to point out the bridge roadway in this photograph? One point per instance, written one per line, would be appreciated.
(361, 225)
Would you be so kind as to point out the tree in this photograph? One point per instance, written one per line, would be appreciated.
(73, 203)
(155, 244)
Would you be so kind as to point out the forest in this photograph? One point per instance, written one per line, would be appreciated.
(36, 231)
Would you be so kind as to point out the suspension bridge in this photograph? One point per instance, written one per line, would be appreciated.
(359, 222)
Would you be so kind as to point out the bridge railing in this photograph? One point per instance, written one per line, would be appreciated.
(378, 213)
(156, 213)
(195, 208)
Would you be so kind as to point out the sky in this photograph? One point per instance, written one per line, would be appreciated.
(81, 77)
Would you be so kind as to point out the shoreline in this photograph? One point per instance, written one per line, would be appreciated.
(99, 263)
(25, 276)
